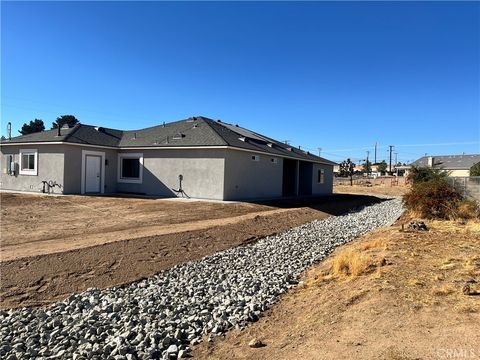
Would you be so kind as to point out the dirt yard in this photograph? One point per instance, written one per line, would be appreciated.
(371, 190)
(52, 246)
(389, 295)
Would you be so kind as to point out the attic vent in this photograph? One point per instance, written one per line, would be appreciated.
(289, 149)
(236, 125)
(195, 126)
(242, 138)
(100, 129)
(178, 136)
(219, 120)
(269, 144)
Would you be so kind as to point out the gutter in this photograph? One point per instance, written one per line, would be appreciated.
(226, 147)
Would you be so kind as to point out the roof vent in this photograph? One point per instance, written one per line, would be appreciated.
(269, 144)
(65, 126)
(242, 138)
(289, 148)
(219, 120)
(191, 119)
(178, 136)
(195, 126)
(236, 125)
(134, 136)
(100, 129)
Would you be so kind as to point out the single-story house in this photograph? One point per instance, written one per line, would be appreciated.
(196, 157)
(456, 165)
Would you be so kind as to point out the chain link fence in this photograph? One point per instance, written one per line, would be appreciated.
(469, 187)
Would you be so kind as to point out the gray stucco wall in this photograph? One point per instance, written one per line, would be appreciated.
(202, 172)
(248, 179)
(50, 167)
(327, 187)
(73, 168)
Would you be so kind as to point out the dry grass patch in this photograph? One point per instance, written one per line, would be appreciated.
(443, 290)
(351, 263)
(375, 244)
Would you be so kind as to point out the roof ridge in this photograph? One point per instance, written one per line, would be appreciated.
(207, 121)
(74, 130)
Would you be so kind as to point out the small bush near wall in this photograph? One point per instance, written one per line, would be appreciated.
(437, 199)
(432, 199)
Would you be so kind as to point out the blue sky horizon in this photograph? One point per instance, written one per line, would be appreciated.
(338, 76)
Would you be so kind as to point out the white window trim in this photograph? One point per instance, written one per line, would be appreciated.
(102, 166)
(33, 172)
(321, 178)
(119, 168)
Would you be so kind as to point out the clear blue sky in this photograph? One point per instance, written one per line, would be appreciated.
(334, 75)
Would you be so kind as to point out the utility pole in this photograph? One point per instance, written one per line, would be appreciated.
(368, 165)
(319, 151)
(390, 166)
(375, 153)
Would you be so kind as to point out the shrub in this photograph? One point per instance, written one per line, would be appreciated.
(467, 209)
(433, 199)
(475, 170)
(423, 174)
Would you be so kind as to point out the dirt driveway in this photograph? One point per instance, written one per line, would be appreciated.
(54, 246)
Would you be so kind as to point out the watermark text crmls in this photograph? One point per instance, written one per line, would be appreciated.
(458, 353)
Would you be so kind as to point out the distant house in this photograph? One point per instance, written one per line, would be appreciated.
(456, 165)
(199, 156)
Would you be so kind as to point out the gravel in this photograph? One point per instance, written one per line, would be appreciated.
(163, 316)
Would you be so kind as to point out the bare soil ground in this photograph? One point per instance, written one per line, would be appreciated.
(54, 246)
(371, 190)
(389, 295)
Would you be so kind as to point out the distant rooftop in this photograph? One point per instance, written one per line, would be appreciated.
(449, 162)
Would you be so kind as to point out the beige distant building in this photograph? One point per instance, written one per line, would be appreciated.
(456, 165)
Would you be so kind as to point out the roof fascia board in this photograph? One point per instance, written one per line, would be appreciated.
(163, 148)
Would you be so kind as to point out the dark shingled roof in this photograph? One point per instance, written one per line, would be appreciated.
(195, 131)
(449, 162)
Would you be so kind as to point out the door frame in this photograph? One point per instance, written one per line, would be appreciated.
(102, 169)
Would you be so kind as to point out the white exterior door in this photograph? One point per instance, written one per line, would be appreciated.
(93, 171)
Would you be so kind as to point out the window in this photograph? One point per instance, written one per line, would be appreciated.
(321, 176)
(274, 160)
(255, 157)
(28, 162)
(130, 168)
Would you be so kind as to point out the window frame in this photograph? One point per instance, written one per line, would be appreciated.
(321, 176)
(125, 180)
(30, 172)
(274, 160)
(255, 157)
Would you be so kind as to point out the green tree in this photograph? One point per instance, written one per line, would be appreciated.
(33, 126)
(70, 120)
(367, 167)
(424, 174)
(382, 167)
(347, 168)
(475, 170)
